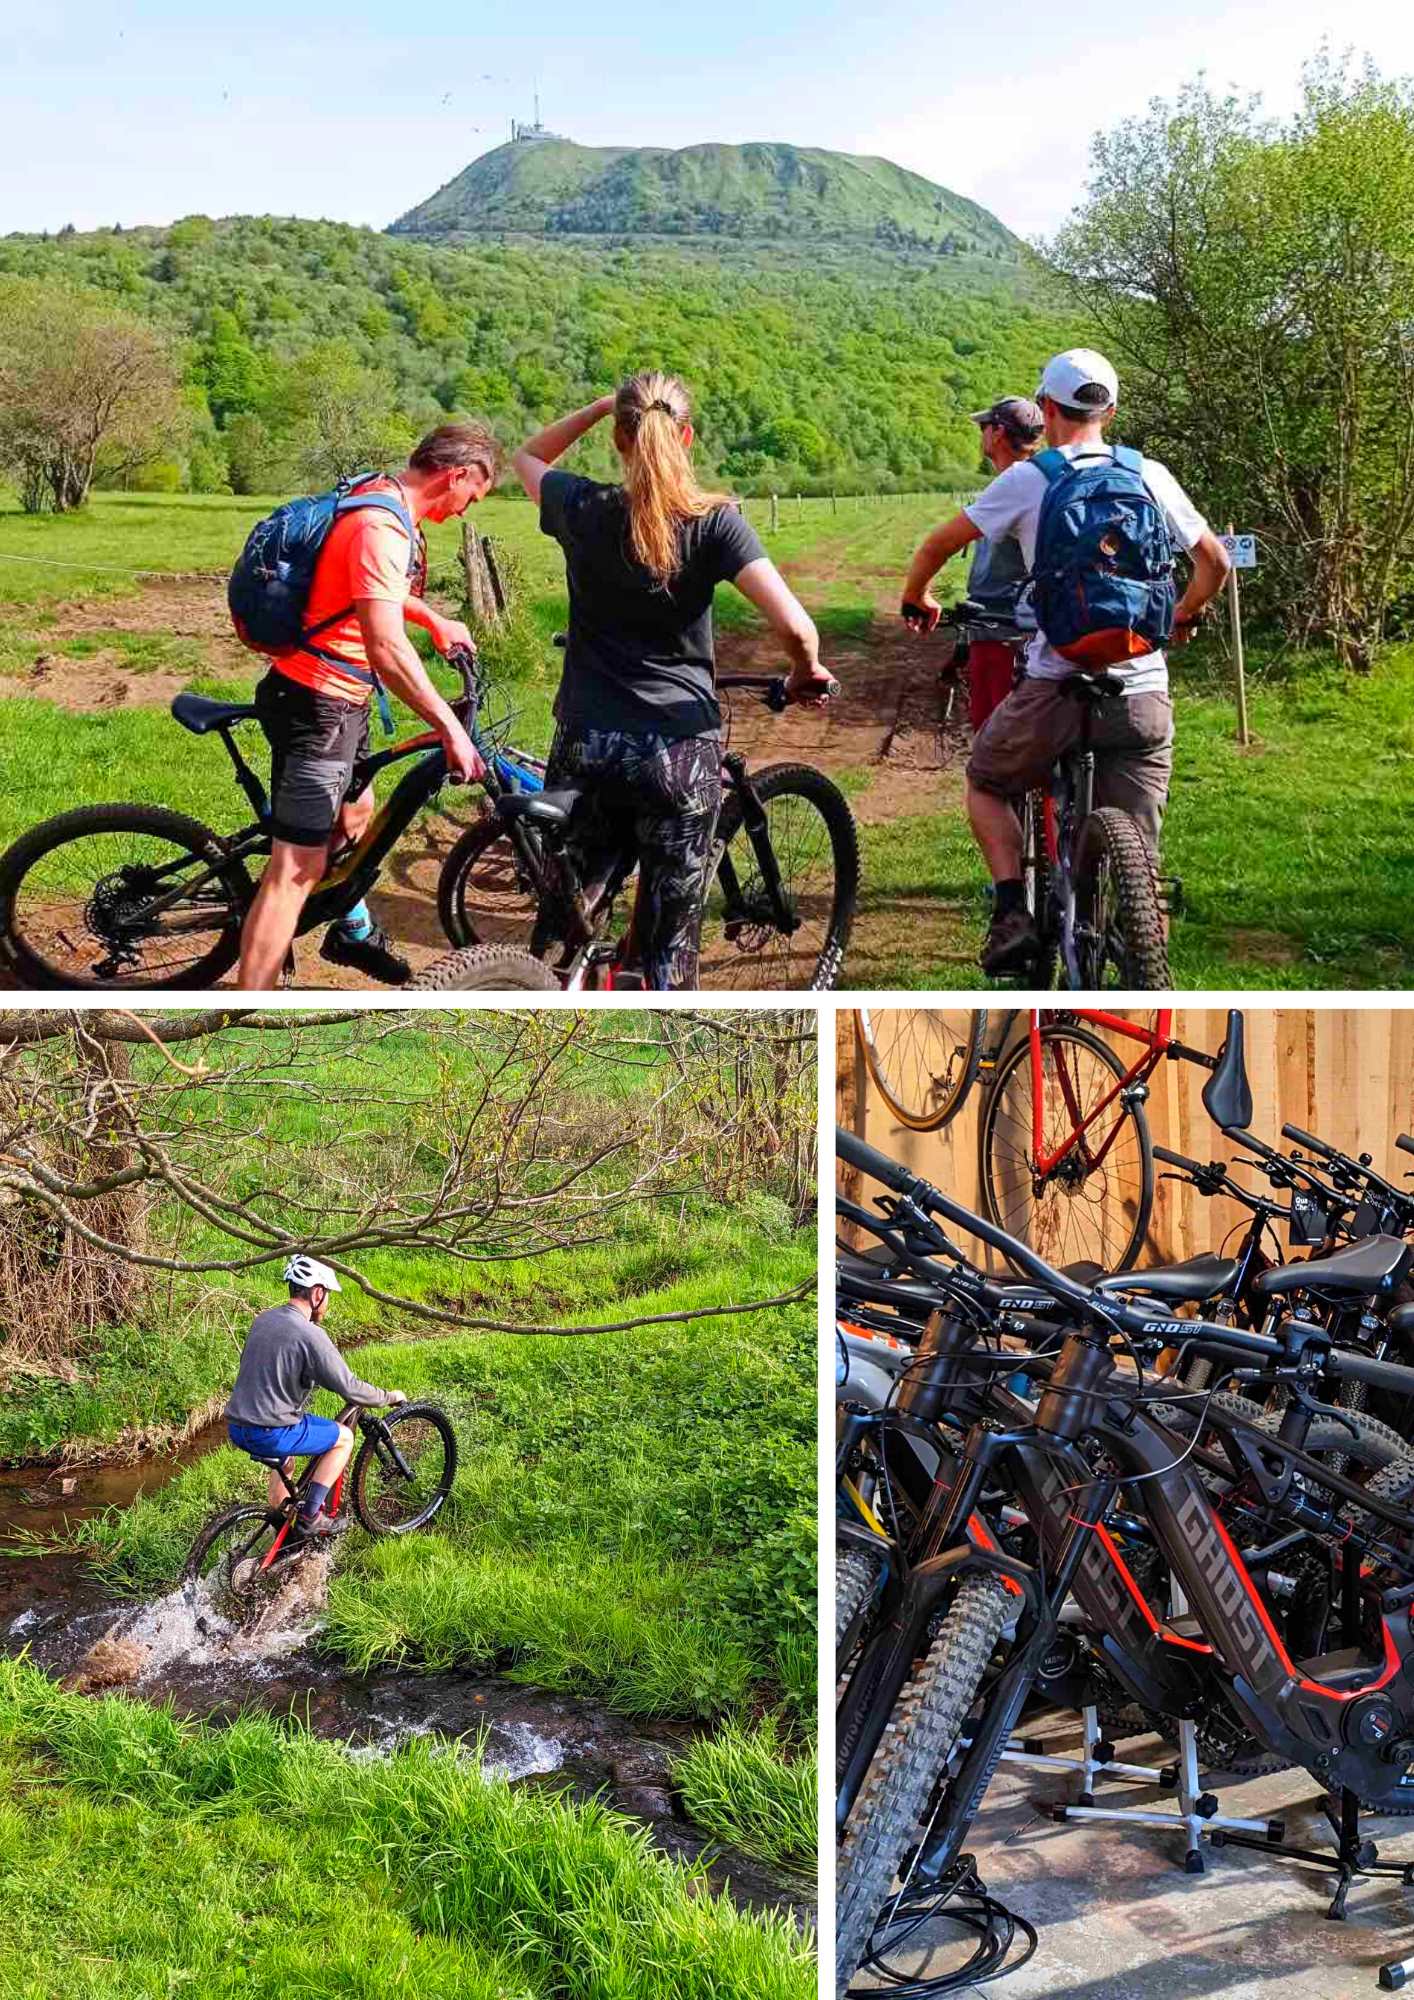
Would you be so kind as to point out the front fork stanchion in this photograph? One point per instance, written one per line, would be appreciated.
(984, 1752)
(753, 819)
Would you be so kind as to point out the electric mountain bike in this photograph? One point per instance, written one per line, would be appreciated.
(399, 1481)
(784, 882)
(138, 896)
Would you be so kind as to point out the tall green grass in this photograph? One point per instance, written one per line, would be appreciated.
(738, 1785)
(146, 1856)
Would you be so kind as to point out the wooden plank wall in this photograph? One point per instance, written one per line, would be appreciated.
(1345, 1074)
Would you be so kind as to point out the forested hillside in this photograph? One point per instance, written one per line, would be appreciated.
(309, 346)
(550, 186)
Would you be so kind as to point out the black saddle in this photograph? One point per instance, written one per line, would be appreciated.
(1092, 689)
(198, 713)
(1190, 1283)
(1358, 1271)
(545, 808)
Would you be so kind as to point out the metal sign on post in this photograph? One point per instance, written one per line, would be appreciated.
(1243, 551)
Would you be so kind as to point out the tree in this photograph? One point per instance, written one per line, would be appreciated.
(133, 1148)
(340, 416)
(80, 381)
(1257, 279)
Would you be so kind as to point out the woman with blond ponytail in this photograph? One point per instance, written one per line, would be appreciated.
(639, 728)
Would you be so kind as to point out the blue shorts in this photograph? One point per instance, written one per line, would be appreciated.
(305, 1439)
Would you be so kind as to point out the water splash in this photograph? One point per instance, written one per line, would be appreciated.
(186, 1629)
(505, 1749)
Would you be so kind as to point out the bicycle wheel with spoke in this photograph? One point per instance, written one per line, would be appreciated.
(1119, 923)
(228, 1557)
(1086, 1202)
(484, 892)
(113, 896)
(923, 1059)
(404, 1469)
(745, 942)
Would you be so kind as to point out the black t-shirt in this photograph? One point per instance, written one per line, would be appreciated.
(639, 655)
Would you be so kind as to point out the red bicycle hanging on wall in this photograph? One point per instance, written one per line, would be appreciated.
(1065, 1158)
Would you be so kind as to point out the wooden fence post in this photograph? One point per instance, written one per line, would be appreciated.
(493, 575)
(775, 513)
(471, 571)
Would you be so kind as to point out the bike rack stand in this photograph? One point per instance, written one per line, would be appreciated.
(1197, 1812)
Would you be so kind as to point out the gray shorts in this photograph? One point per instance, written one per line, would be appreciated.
(1038, 722)
(315, 741)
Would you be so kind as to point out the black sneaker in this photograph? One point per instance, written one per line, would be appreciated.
(1012, 944)
(320, 1529)
(373, 954)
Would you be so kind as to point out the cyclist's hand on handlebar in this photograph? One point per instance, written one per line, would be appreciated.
(449, 635)
(464, 765)
(395, 1398)
(921, 614)
(812, 686)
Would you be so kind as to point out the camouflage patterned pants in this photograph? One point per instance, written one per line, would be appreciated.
(650, 800)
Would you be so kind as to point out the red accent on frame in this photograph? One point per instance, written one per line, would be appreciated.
(274, 1548)
(981, 1534)
(1156, 1625)
(1391, 1667)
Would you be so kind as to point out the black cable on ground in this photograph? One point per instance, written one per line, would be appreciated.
(993, 1925)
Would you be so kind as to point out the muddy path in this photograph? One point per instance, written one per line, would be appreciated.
(179, 1649)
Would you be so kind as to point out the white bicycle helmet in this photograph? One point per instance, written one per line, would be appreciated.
(306, 1271)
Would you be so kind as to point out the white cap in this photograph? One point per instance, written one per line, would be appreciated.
(1080, 380)
(306, 1271)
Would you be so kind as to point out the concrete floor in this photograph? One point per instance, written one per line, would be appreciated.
(1120, 1920)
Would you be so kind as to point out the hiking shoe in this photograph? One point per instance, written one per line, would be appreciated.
(1012, 944)
(320, 1529)
(373, 955)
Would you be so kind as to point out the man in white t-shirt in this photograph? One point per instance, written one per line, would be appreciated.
(1038, 722)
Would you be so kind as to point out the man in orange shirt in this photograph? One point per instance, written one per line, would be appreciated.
(313, 705)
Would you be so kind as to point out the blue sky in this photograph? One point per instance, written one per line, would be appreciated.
(124, 113)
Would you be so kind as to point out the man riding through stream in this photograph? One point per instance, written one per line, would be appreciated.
(286, 1357)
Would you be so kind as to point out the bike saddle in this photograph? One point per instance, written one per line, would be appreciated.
(199, 713)
(1372, 1265)
(1190, 1283)
(545, 808)
(1094, 688)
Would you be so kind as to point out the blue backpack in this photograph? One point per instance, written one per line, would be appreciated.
(270, 584)
(1102, 579)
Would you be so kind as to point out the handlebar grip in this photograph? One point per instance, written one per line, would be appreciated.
(1178, 1160)
(1312, 1145)
(1378, 1374)
(1405, 1143)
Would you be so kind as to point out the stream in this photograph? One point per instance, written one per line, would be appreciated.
(179, 1649)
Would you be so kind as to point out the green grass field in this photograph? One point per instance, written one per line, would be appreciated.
(1296, 869)
(144, 1857)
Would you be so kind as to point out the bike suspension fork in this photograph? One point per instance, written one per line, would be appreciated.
(753, 819)
(984, 1752)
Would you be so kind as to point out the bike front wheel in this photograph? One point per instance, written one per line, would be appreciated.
(923, 1060)
(486, 968)
(404, 1469)
(1119, 923)
(1083, 1199)
(810, 840)
(121, 896)
(910, 1763)
(485, 894)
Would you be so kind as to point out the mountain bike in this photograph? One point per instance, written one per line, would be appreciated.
(1065, 1154)
(972, 624)
(784, 883)
(938, 1690)
(138, 896)
(398, 1482)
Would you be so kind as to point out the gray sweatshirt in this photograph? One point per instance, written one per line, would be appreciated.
(286, 1357)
